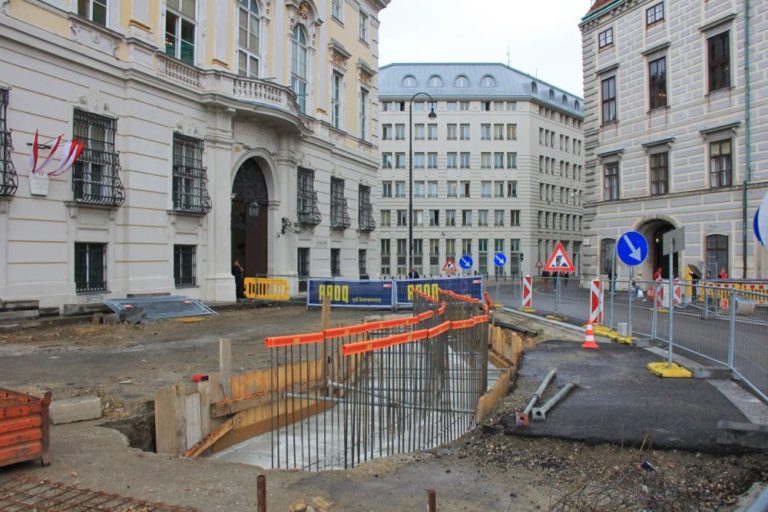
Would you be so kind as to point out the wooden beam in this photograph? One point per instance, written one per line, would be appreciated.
(225, 365)
(214, 436)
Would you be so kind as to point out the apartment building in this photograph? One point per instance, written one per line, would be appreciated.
(212, 130)
(674, 129)
(497, 168)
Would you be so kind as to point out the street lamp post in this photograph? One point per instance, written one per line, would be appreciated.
(431, 115)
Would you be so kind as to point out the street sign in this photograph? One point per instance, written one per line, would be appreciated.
(559, 261)
(761, 222)
(674, 241)
(632, 248)
(465, 262)
(449, 265)
(500, 259)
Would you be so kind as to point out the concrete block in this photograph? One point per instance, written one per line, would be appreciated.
(742, 434)
(70, 410)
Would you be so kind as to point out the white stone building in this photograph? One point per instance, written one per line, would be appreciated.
(213, 130)
(676, 130)
(498, 170)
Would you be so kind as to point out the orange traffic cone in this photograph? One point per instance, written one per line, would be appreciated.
(589, 338)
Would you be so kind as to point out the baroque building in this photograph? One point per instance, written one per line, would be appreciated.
(212, 131)
(674, 132)
(496, 169)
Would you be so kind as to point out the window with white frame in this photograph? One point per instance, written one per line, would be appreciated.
(432, 189)
(432, 131)
(464, 158)
(95, 175)
(514, 218)
(418, 131)
(498, 218)
(402, 218)
(248, 39)
(299, 64)
(512, 189)
(399, 189)
(431, 160)
(190, 181)
(418, 160)
(386, 256)
(400, 131)
(605, 38)
(466, 218)
(485, 131)
(485, 189)
(93, 10)
(363, 114)
(386, 218)
(450, 218)
(399, 160)
(657, 82)
(511, 160)
(386, 189)
(511, 131)
(180, 30)
(482, 218)
(611, 181)
(608, 99)
(363, 27)
(336, 6)
(485, 160)
(464, 131)
(336, 95)
(720, 164)
(654, 14)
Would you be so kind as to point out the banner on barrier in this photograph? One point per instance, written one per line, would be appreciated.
(385, 294)
(353, 294)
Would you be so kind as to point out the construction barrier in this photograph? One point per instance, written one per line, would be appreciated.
(757, 292)
(527, 292)
(596, 302)
(266, 288)
(677, 292)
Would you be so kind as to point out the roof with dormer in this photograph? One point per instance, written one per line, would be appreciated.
(457, 81)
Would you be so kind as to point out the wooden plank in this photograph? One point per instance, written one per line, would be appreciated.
(193, 421)
(225, 365)
(214, 436)
(180, 408)
(20, 437)
(228, 407)
(165, 421)
(204, 390)
(16, 305)
(13, 424)
(26, 313)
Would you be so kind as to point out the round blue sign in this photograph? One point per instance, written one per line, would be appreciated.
(465, 262)
(500, 259)
(632, 248)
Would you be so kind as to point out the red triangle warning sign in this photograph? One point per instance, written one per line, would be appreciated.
(559, 261)
(449, 265)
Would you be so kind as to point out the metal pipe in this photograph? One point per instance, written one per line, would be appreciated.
(747, 142)
(261, 493)
(540, 391)
(540, 413)
(431, 500)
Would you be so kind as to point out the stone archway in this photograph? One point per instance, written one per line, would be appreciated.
(654, 231)
(250, 218)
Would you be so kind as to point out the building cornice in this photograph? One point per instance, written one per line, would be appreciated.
(607, 69)
(720, 21)
(660, 142)
(720, 128)
(657, 48)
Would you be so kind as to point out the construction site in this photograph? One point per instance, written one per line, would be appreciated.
(451, 406)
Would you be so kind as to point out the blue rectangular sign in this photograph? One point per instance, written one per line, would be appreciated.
(472, 286)
(352, 294)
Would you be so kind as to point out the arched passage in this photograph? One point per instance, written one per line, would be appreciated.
(654, 231)
(250, 216)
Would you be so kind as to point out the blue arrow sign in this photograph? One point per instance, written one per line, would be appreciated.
(632, 248)
(761, 222)
(465, 262)
(500, 259)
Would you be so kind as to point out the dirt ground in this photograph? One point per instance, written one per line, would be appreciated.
(484, 470)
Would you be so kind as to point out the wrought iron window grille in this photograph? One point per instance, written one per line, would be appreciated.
(339, 215)
(90, 267)
(306, 205)
(9, 180)
(365, 214)
(190, 179)
(96, 174)
(185, 266)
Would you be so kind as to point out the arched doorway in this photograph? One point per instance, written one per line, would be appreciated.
(654, 233)
(250, 218)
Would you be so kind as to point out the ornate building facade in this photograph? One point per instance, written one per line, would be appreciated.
(213, 130)
(674, 129)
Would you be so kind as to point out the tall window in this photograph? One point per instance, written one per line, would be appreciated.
(719, 61)
(511, 160)
(434, 256)
(605, 38)
(511, 132)
(180, 30)
(362, 262)
(339, 216)
(307, 212)
(363, 114)
(94, 10)
(302, 260)
(386, 253)
(464, 131)
(464, 160)
(657, 81)
(336, 9)
(401, 255)
(8, 177)
(514, 218)
(654, 13)
(611, 181)
(720, 164)
(399, 131)
(335, 262)
(190, 190)
(184, 265)
(90, 267)
(717, 255)
(299, 66)
(363, 27)
(418, 131)
(432, 160)
(386, 218)
(434, 218)
(485, 131)
(95, 178)
(607, 251)
(432, 131)
(482, 256)
(365, 212)
(451, 131)
(659, 173)
(450, 218)
(482, 218)
(336, 88)
(248, 39)
(498, 218)
(608, 87)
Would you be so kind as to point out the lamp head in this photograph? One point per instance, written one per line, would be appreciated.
(432, 114)
(253, 209)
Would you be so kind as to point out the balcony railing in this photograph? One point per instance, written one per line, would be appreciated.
(339, 216)
(309, 213)
(366, 220)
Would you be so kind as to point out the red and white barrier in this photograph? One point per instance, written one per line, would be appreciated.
(528, 292)
(678, 292)
(659, 295)
(596, 302)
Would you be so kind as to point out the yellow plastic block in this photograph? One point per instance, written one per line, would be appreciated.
(664, 369)
(601, 330)
(624, 340)
(612, 335)
(528, 310)
(663, 311)
(190, 319)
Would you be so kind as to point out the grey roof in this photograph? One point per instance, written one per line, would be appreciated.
(507, 83)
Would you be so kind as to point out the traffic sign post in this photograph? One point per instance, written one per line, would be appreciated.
(674, 241)
(499, 259)
(632, 249)
(559, 262)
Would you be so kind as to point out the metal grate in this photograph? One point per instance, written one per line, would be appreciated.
(184, 265)
(20, 494)
(339, 215)
(90, 267)
(307, 211)
(365, 214)
(157, 308)
(190, 180)
(9, 181)
(95, 175)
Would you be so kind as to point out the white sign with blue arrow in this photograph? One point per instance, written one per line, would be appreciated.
(632, 248)
(465, 262)
(500, 259)
(761, 222)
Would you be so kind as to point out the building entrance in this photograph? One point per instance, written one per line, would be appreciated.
(250, 217)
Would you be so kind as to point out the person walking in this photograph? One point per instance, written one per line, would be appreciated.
(239, 272)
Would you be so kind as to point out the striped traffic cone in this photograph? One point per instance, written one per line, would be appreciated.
(589, 338)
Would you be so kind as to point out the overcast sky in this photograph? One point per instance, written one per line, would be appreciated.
(542, 37)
